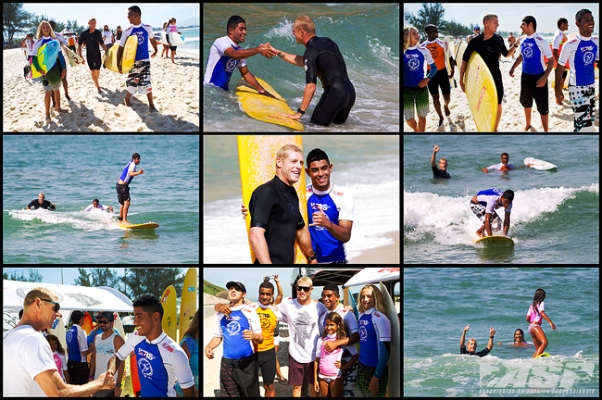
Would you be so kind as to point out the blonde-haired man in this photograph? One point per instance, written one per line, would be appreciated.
(322, 59)
(29, 364)
(276, 221)
(302, 315)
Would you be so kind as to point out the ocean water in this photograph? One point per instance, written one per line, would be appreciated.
(73, 170)
(367, 35)
(367, 167)
(555, 215)
(439, 302)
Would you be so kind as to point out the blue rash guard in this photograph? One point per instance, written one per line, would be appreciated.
(160, 363)
(125, 175)
(337, 205)
(219, 65)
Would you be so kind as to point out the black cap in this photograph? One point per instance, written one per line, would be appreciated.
(240, 285)
(106, 314)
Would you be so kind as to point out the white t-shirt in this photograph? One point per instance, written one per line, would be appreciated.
(303, 327)
(26, 353)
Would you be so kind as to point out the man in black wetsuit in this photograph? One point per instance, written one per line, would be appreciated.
(440, 172)
(41, 203)
(322, 59)
(471, 347)
(276, 221)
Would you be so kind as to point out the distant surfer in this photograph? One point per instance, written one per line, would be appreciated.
(440, 172)
(558, 41)
(503, 165)
(534, 77)
(471, 346)
(489, 45)
(415, 79)
(226, 55)
(581, 52)
(534, 318)
(322, 59)
(483, 205)
(519, 339)
(123, 187)
(97, 206)
(41, 203)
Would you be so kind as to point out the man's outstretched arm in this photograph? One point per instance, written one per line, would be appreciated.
(464, 335)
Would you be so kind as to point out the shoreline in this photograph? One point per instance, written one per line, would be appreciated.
(388, 254)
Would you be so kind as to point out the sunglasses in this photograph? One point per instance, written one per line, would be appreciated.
(304, 288)
(57, 306)
(103, 322)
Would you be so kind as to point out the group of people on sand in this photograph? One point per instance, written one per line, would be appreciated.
(535, 317)
(123, 193)
(321, 346)
(425, 70)
(138, 79)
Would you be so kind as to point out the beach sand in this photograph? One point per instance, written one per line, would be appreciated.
(176, 95)
(389, 254)
(513, 114)
(211, 367)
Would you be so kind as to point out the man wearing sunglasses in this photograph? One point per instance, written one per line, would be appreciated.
(27, 354)
(106, 345)
(302, 315)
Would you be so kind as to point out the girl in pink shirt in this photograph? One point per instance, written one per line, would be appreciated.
(327, 365)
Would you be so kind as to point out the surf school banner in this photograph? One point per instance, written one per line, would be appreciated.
(70, 297)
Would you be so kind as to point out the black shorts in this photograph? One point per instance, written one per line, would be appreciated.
(123, 192)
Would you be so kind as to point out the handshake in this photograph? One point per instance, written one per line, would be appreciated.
(267, 50)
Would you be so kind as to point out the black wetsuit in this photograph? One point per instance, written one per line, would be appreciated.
(36, 204)
(323, 59)
(92, 41)
(481, 353)
(274, 206)
(437, 173)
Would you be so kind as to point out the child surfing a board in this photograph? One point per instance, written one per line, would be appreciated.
(483, 205)
(534, 318)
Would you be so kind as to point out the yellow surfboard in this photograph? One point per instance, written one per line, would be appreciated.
(481, 93)
(265, 108)
(146, 225)
(169, 323)
(495, 240)
(188, 304)
(257, 160)
(128, 58)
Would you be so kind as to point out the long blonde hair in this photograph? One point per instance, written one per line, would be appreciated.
(39, 33)
(379, 304)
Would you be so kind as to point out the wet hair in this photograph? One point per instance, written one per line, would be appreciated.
(508, 194)
(521, 332)
(233, 22)
(135, 156)
(540, 295)
(150, 305)
(317, 155)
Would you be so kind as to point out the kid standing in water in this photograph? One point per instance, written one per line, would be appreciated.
(327, 364)
(534, 318)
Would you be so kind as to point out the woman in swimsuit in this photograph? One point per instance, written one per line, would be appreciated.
(534, 318)
(519, 339)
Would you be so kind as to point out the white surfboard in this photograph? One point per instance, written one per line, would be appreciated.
(539, 164)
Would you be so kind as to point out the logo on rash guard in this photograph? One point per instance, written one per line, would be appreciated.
(145, 367)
